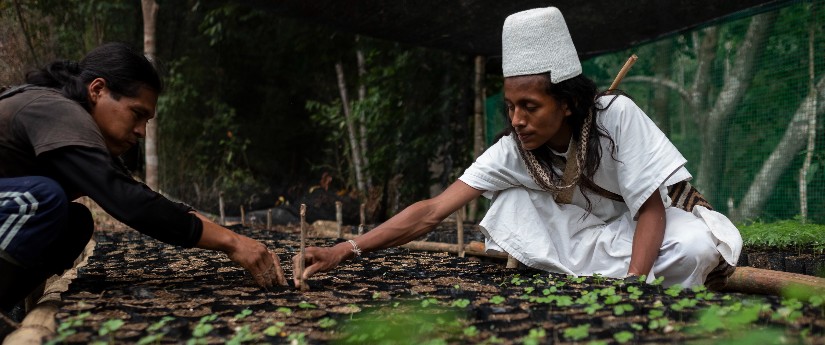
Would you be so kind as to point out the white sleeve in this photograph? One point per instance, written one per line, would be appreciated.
(647, 160)
(498, 168)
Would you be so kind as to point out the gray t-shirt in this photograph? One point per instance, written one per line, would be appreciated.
(39, 120)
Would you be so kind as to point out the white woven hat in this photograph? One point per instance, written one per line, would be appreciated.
(537, 41)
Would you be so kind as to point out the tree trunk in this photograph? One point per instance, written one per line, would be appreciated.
(362, 115)
(478, 124)
(792, 142)
(806, 166)
(353, 135)
(150, 12)
(737, 79)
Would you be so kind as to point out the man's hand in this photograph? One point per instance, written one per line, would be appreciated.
(250, 254)
(317, 259)
(259, 261)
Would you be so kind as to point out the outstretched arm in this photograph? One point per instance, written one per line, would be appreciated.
(650, 232)
(411, 223)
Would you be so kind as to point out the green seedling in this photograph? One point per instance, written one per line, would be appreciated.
(535, 337)
(428, 302)
(67, 328)
(623, 337)
(497, 299)
(306, 305)
(274, 329)
(202, 329)
(461, 303)
(529, 289)
(593, 308)
(327, 322)
(284, 310)
(298, 338)
(243, 335)
(244, 313)
(577, 333)
(620, 309)
(674, 290)
(470, 331)
(109, 328)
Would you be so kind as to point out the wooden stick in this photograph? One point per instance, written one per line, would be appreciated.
(304, 286)
(243, 217)
(629, 63)
(269, 219)
(363, 219)
(459, 223)
(511, 262)
(339, 218)
(220, 208)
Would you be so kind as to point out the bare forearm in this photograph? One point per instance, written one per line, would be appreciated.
(216, 237)
(411, 223)
(647, 240)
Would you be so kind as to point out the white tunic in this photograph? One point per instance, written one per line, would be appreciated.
(527, 223)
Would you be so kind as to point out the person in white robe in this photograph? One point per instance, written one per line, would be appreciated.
(580, 184)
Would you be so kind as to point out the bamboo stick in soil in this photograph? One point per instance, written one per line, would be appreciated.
(300, 268)
(363, 219)
(459, 223)
(339, 218)
(220, 209)
(269, 219)
(243, 217)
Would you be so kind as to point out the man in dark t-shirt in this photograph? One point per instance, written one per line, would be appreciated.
(61, 138)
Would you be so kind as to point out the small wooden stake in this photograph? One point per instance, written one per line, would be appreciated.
(459, 222)
(363, 219)
(269, 219)
(511, 262)
(220, 208)
(243, 217)
(339, 218)
(304, 286)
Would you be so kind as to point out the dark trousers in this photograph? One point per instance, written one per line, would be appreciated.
(41, 234)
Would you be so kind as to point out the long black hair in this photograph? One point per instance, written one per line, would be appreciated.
(580, 95)
(124, 69)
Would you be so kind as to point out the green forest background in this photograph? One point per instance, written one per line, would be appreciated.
(253, 107)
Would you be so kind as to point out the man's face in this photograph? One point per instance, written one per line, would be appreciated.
(123, 120)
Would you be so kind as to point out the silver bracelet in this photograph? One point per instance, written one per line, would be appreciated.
(355, 248)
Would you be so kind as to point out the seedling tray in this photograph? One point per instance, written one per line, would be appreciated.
(137, 290)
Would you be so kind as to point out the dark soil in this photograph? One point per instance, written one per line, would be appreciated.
(394, 296)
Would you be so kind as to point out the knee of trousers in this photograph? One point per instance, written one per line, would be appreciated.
(695, 246)
(34, 212)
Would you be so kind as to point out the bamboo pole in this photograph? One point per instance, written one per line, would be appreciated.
(243, 217)
(363, 219)
(303, 286)
(769, 282)
(629, 63)
(269, 219)
(339, 218)
(220, 208)
(459, 222)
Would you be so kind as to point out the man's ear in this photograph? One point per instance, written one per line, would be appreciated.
(567, 111)
(96, 88)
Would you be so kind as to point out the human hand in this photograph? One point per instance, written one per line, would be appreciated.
(259, 261)
(318, 259)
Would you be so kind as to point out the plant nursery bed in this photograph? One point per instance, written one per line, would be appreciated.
(137, 290)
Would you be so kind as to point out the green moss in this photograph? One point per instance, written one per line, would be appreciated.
(784, 235)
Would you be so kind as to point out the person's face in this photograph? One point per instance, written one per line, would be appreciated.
(122, 121)
(537, 117)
